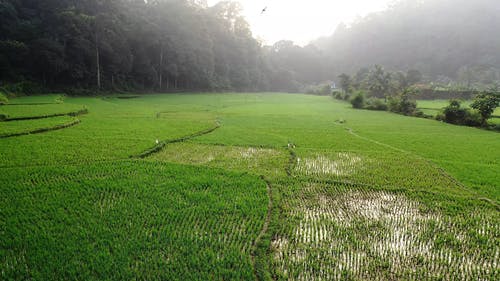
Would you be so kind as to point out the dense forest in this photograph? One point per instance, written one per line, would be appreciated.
(170, 45)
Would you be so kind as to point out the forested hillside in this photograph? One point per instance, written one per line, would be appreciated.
(444, 39)
(171, 44)
(175, 45)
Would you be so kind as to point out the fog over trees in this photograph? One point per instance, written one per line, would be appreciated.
(169, 45)
(444, 39)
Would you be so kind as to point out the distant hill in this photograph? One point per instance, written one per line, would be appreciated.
(457, 39)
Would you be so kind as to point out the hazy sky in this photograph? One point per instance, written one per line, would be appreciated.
(303, 20)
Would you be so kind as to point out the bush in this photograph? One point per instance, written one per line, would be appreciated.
(496, 127)
(358, 100)
(341, 96)
(376, 104)
(323, 90)
(403, 104)
(473, 118)
(486, 103)
(338, 95)
(453, 113)
(23, 88)
(3, 99)
(3, 117)
(458, 115)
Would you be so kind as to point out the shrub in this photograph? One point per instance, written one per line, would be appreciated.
(358, 100)
(338, 95)
(3, 99)
(473, 118)
(23, 88)
(341, 96)
(486, 103)
(376, 104)
(322, 90)
(325, 90)
(454, 113)
(403, 104)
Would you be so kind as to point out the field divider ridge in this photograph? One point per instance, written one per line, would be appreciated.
(260, 246)
(43, 130)
(158, 147)
(31, 103)
(71, 114)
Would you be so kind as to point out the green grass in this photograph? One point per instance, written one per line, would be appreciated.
(281, 190)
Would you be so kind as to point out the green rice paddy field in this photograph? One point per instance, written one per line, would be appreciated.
(242, 187)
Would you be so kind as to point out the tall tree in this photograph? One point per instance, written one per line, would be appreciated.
(345, 82)
(379, 82)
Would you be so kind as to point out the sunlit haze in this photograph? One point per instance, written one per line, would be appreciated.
(303, 21)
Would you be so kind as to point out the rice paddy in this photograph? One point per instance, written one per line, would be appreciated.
(243, 187)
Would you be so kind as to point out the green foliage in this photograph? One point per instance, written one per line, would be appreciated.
(131, 45)
(454, 113)
(405, 80)
(376, 104)
(338, 95)
(404, 103)
(321, 90)
(358, 100)
(345, 83)
(379, 82)
(486, 103)
(23, 88)
(3, 99)
(326, 90)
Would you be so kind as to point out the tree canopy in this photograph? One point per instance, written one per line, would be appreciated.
(170, 45)
(160, 44)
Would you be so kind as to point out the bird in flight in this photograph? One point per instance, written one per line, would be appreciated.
(263, 10)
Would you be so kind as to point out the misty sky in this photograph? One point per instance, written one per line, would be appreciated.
(303, 20)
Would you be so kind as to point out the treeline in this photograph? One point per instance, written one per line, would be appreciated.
(157, 45)
(176, 45)
(378, 89)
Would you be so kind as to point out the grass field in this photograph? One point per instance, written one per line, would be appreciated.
(244, 187)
